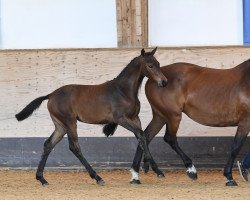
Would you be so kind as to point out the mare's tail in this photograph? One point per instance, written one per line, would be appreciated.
(109, 129)
(30, 108)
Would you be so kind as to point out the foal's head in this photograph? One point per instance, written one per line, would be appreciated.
(151, 67)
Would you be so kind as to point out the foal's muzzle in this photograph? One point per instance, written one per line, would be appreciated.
(162, 83)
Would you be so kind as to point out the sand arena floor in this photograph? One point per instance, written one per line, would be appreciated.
(21, 184)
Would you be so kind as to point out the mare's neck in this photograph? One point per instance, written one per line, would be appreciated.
(130, 79)
(244, 69)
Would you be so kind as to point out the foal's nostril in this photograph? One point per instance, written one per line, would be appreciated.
(163, 83)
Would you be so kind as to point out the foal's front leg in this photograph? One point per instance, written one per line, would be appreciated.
(135, 126)
(152, 129)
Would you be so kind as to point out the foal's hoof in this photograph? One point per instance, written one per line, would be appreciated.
(100, 182)
(135, 182)
(161, 176)
(145, 167)
(191, 175)
(231, 183)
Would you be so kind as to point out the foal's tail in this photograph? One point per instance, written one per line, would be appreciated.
(30, 108)
(109, 129)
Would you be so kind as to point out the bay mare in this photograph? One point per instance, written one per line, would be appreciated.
(212, 97)
(112, 103)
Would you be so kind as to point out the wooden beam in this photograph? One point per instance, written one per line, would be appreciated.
(132, 23)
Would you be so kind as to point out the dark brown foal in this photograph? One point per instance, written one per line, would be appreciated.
(113, 103)
(212, 97)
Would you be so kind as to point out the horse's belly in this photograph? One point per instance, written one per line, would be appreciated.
(95, 116)
(211, 117)
(215, 121)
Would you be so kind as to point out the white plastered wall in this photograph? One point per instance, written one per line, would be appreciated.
(195, 22)
(58, 24)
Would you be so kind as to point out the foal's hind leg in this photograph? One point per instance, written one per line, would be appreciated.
(75, 148)
(49, 144)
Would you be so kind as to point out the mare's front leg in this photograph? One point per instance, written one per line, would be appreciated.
(172, 125)
(239, 139)
(135, 126)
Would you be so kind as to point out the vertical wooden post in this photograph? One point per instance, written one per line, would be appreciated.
(144, 22)
(132, 23)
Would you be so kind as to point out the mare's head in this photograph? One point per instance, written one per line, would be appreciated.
(151, 67)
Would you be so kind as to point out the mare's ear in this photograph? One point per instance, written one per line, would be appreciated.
(143, 52)
(153, 52)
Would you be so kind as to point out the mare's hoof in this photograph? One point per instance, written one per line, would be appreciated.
(231, 183)
(43, 181)
(44, 184)
(135, 182)
(100, 182)
(161, 176)
(192, 175)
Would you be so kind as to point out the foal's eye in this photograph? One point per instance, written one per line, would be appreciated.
(150, 66)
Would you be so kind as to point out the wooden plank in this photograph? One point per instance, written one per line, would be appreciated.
(27, 74)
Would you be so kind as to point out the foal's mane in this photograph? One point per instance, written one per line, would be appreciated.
(125, 71)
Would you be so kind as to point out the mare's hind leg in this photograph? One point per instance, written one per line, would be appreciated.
(171, 139)
(75, 148)
(239, 139)
(49, 144)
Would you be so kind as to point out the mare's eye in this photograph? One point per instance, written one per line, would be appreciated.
(150, 66)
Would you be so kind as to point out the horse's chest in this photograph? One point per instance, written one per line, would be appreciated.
(133, 108)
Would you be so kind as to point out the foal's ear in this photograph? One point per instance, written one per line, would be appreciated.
(143, 52)
(153, 52)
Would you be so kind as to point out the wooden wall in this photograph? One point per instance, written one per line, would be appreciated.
(27, 74)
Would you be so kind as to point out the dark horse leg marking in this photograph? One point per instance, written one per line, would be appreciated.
(239, 139)
(76, 150)
(49, 144)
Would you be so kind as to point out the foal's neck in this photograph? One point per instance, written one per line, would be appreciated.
(130, 79)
